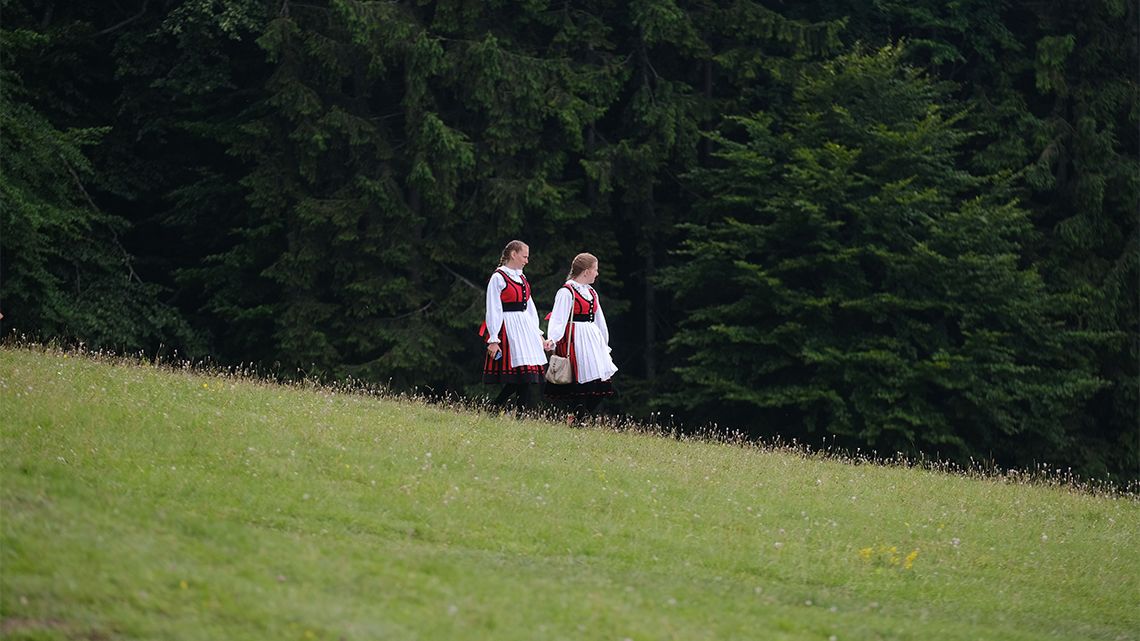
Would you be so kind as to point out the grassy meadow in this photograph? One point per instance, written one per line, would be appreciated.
(155, 503)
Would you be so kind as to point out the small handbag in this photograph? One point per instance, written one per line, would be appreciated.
(558, 371)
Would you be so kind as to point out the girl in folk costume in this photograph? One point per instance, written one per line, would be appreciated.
(515, 349)
(578, 327)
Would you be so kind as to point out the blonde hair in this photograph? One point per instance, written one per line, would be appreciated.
(512, 247)
(581, 263)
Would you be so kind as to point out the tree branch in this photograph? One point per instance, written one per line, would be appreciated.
(411, 313)
(465, 280)
(124, 23)
(131, 274)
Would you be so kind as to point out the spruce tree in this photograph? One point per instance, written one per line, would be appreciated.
(853, 281)
(1051, 90)
(65, 272)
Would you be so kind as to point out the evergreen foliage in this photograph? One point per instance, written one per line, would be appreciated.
(909, 224)
(852, 280)
(66, 274)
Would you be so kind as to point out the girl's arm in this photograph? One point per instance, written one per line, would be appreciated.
(494, 314)
(563, 303)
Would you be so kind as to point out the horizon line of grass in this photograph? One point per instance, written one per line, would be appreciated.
(1043, 474)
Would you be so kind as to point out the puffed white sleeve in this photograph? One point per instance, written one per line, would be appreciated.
(494, 315)
(563, 302)
(600, 318)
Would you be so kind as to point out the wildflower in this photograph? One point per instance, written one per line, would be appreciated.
(866, 553)
(909, 561)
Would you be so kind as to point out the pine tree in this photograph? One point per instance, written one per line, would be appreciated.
(66, 274)
(689, 63)
(853, 281)
(1051, 90)
(394, 150)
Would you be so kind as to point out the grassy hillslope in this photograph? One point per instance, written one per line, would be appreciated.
(144, 503)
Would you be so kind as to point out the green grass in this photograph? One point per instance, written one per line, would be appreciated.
(146, 503)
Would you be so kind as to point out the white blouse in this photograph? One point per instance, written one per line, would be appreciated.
(523, 331)
(591, 340)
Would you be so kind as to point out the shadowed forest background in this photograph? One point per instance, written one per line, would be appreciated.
(900, 225)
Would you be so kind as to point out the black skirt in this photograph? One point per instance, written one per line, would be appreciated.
(578, 390)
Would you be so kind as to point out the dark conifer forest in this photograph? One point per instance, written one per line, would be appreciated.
(899, 226)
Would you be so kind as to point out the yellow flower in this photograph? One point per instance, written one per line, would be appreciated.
(910, 560)
(865, 553)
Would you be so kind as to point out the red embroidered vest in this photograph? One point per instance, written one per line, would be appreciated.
(515, 295)
(583, 310)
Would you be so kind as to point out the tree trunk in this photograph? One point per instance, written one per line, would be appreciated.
(591, 183)
(706, 144)
(650, 223)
